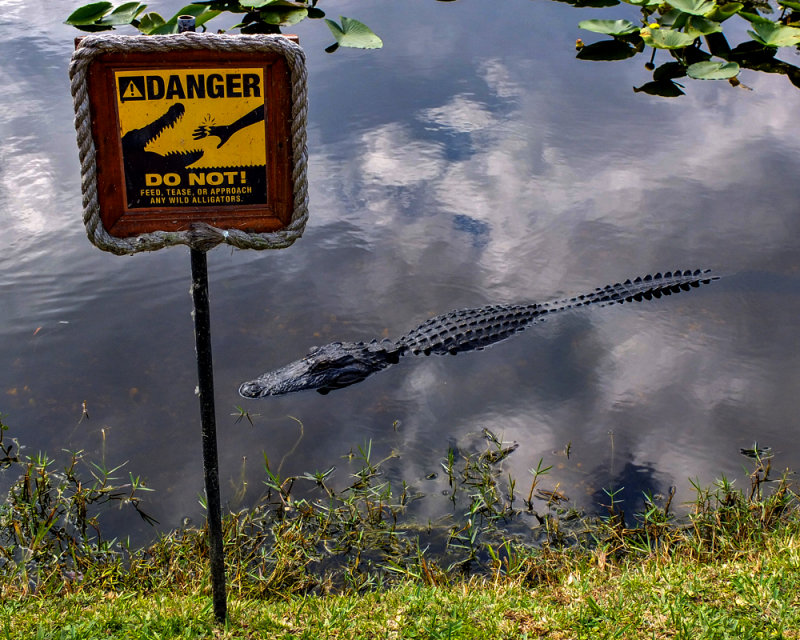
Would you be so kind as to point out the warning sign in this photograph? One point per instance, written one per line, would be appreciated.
(193, 137)
(191, 132)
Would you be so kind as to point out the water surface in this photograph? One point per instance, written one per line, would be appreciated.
(472, 160)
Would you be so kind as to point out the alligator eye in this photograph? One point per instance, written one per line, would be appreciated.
(348, 378)
(316, 366)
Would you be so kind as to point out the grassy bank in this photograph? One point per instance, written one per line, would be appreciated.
(311, 561)
(755, 594)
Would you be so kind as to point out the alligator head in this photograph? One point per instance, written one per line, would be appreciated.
(333, 366)
(135, 141)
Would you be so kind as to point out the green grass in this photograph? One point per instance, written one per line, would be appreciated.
(753, 595)
(309, 561)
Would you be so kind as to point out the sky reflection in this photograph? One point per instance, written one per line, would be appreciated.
(446, 170)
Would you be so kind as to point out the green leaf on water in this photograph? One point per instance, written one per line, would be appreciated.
(150, 22)
(666, 38)
(694, 7)
(609, 27)
(88, 14)
(775, 35)
(754, 17)
(123, 14)
(710, 70)
(284, 13)
(790, 5)
(697, 26)
(643, 3)
(284, 18)
(674, 19)
(720, 13)
(353, 33)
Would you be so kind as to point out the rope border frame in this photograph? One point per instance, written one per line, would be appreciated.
(200, 236)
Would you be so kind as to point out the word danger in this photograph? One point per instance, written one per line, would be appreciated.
(212, 178)
(190, 86)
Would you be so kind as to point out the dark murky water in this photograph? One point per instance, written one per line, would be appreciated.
(472, 160)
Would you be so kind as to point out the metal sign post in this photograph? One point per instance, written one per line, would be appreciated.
(208, 416)
(194, 139)
(208, 425)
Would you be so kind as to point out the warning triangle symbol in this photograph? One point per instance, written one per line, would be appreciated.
(132, 92)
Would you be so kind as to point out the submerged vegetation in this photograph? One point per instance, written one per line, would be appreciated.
(511, 547)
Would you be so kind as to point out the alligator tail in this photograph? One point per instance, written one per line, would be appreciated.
(637, 290)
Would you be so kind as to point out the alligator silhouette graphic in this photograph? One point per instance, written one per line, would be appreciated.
(137, 160)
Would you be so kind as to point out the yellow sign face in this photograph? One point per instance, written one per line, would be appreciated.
(192, 137)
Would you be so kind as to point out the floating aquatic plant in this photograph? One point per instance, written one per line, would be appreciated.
(691, 32)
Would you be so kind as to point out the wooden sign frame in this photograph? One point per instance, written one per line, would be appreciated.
(122, 220)
(194, 139)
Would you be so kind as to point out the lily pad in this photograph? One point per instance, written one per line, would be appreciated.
(693, 7)
(282, 15)
(790, 5)
(149, 22)
(123, 14)
(710, 70)
(697, 26)
(643, 3)
(609, 27)
(674, 19)
(720, 13)
(754, 17)
(775, 35)
(353, 33)
(88, 14)
(666, 38)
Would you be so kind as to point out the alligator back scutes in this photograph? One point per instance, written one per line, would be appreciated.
(468, 329)
(475, 329)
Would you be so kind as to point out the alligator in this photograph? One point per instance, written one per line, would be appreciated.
(341, 364)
